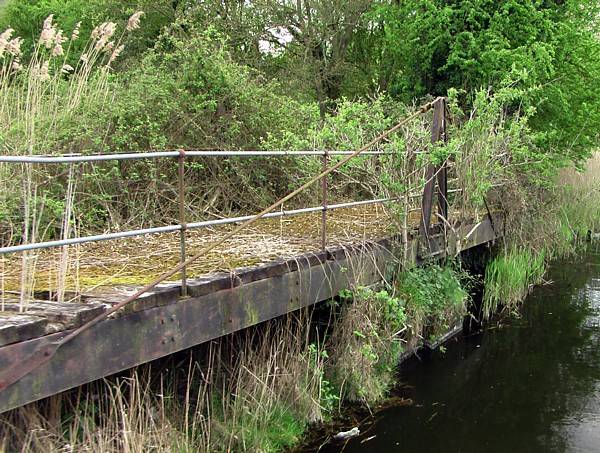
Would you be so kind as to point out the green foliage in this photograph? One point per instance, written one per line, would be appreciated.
(434, 297)
(276, 430)
(370, 335)
(26, 18)
(548, 49)
(366, 345)
(509, 277)
(195, 85)
(328, 396)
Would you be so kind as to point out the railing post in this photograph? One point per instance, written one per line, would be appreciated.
(182, 231)
(433, 174)
(442, 176)
(324, 189)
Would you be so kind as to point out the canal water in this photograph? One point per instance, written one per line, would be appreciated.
(530, 384)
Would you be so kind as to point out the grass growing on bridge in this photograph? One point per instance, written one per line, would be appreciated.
(140, 260)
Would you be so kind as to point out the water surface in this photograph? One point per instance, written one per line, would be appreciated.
(529, 385)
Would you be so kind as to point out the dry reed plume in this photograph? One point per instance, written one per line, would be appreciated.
(36, 97)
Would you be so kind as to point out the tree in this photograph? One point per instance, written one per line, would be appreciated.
(309, 38)
(548, 49)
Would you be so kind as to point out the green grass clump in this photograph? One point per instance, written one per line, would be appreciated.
(508, 278)
(253, 429)
(435, 299)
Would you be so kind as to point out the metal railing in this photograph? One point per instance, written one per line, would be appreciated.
(438, 133)
(182, 226)
(80, 158)
(22, 366)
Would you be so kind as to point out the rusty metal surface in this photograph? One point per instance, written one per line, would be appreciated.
(324, 187)
(443, 173)
(181, 203)
(19, 367)
(427, 205)
(433, 174)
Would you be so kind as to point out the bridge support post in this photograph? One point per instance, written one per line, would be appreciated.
(324, 188)
(433, 174)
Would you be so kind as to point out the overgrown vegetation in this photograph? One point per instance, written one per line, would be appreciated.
(562, 220)
(523, 85)
(277, 75)
(376, 327)
(508, 278)
(254, 391)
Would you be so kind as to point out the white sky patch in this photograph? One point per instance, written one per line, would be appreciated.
(282, 37)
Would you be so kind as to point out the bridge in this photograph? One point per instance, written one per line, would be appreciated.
(49, 344)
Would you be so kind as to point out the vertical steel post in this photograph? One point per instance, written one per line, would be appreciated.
(182, 231)
(324, 189)
(442, 176)
(432, 174)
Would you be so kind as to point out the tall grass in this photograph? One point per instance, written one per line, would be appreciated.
(255, 391)
(509, 277)
(580, 201)
(36, 99)
(554, 227)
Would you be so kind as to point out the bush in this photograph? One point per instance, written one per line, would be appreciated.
(366, 345)
(435, 300)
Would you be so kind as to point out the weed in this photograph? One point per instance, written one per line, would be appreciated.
(509, 277)
(435, 300)
(365, 345)
(373, 329)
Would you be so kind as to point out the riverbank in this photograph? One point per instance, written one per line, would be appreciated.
(173, 75)
(263, 389)
(526, 383)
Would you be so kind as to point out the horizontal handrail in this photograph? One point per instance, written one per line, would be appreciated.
(75, 158)
(189, 226)
(43, 353)
(194, 225)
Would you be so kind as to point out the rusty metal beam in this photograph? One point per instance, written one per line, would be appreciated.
(434, 173)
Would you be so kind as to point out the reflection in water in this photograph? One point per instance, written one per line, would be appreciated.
(532, 385)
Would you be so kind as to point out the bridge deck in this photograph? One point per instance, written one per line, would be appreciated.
(138, 260)
(221, 301)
